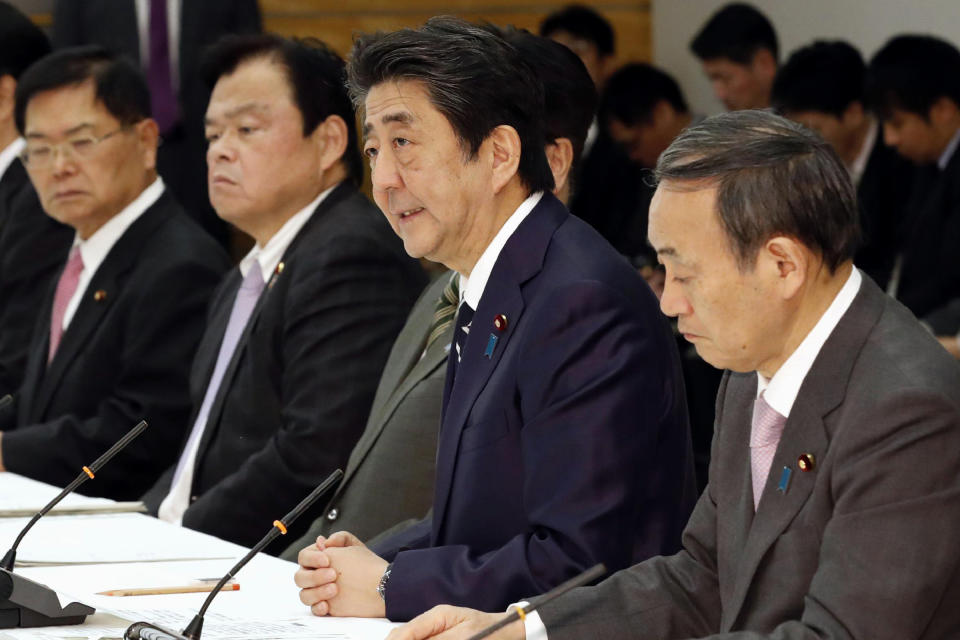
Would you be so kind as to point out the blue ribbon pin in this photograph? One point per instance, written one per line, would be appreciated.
(491, 344)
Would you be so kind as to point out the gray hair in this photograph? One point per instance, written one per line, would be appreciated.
(773, 177)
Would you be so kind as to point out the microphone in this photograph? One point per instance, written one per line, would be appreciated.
(147, 631)
(25, 603)
(518, 613)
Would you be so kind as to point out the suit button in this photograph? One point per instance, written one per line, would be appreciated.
(332, 515)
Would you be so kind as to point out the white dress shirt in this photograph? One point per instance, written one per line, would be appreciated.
(94, 250)
(178, 499)
(173, 36)
(471, 289)
(9, 154)
(781, 389)
(948, 152)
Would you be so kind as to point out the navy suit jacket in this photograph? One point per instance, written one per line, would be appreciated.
(564, 445)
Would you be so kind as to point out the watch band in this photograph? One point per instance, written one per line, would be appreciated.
(382, 587)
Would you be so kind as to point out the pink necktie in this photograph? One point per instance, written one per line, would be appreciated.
(765, 432)
(66, 287)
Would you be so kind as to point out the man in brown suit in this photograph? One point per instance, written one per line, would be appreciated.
(834, 498)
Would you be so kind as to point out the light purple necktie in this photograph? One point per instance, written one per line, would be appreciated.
(243, 304)
(163, 102)
(766, 429)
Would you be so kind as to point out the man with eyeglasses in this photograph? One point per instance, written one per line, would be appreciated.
(114, 340)
(31, 243)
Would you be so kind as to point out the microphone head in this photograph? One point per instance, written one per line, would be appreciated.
(147, 631)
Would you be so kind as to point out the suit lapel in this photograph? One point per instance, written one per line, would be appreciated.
(213, 420)
(805, 432)
(521, 259)
(101, 293)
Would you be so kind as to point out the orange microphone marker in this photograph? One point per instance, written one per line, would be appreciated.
(281, 526)
(89, 473)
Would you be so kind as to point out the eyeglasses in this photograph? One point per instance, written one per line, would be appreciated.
(41, 155)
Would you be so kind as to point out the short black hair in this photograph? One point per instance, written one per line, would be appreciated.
(119, 84)
(475, 78)
(912, 72)
(773, 177)
(21, 42)
(826, 76)
(316, 75)
(634, 90)
(569, 94)
(582, 22)
(737, 31)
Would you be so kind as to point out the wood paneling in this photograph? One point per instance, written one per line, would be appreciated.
(337, 22)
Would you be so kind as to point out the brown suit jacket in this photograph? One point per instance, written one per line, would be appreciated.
(862, 546)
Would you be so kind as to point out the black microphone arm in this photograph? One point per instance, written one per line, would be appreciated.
(147, 631)
(25, 603)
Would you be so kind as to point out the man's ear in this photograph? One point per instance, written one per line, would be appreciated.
(943, 111)
(149, 135)
(505, 146)
(8, 89)
(764, 63)
(560, 158)
(785, 260)
(331, 137)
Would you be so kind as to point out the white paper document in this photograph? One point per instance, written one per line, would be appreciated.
(26, 496)
(112, 538)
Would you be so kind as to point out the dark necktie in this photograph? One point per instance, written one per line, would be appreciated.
(460, 334)
(163, 102)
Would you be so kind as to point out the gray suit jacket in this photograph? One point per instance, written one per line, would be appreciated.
(862, 546)
(390, 473)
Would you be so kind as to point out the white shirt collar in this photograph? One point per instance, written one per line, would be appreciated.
(860, 162)
(8, 155)
(471, 289)
(781, 390)
(948, 152)
(94, 249)
(269, 256)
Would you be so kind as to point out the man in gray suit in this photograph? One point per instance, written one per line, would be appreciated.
(844, 527)
(388, 482)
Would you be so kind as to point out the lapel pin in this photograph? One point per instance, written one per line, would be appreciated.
(100, 295)
(784, 483)
(491, 344)
(276, 273)
(500, 322)
(806, 462)
(279, 268)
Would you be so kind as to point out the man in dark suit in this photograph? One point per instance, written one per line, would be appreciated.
(114, 336)
(564, 438)
(167, 38)
(607, 189)
(913, 83)
(399, 444)
(834, 494)
(298, 334)
(32, 244)
(821, 86)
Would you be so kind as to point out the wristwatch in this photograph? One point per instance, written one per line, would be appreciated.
(382, 587)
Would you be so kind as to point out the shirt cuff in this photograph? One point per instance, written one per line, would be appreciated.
(532, 624)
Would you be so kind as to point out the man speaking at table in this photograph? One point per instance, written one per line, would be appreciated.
(113, 343)
(834, 498)
(563, 439)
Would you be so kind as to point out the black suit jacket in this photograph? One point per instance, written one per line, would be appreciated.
(296, 394)
(32, 250)
(564, 438)
(181, 158)
(124, 357)
(930, 276)
(883, 195)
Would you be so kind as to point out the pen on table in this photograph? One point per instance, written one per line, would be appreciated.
(157, 591)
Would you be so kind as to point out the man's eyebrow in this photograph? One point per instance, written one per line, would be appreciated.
(401, 117)
(69, 132)
(239, 111)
